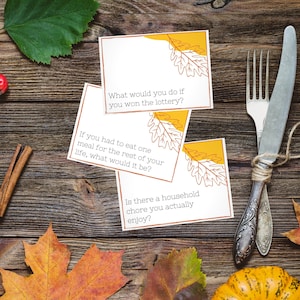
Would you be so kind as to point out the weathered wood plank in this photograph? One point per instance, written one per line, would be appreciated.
(90, 208)
(58, 119)
(63, 81)
(81, 201)
(226, 24)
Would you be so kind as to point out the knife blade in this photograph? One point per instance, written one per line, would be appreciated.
(270, 143)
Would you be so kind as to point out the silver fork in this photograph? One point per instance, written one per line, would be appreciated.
(257, 108)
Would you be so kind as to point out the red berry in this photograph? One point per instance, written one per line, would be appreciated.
(3, 84)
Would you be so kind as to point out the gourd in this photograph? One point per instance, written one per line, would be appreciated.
(266, 282)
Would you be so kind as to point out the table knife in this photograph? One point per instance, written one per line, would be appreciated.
(270, 143)
(264, 234)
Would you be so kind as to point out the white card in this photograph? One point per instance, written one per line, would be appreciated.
(199, 192)
(143, 143)
(154, 72)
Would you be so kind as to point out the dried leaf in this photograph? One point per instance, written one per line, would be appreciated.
(297, 211)
(192, 292)
(294, 234)
(97, 275)
(176, 276)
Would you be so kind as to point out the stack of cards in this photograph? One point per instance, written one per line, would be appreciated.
(136, 124)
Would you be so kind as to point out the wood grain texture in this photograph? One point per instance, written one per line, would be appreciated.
(81, 200)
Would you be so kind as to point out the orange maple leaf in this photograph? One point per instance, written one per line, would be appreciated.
(97, 275)
(294, 234)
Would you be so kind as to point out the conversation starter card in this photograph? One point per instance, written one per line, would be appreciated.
(143, 143)
(165, 71)
(200, 190)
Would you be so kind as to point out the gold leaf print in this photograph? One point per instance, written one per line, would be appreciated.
(164, 133)
(206, 162)
(178, 118)
(188, 52)
(207, 172)
(189, 62)
(212, 150)
(183, 41)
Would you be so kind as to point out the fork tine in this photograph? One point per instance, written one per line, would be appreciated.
(260, 76)
(267, 77)
(254, 76)
(248, 77)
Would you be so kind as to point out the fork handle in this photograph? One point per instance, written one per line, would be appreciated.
(244, 240)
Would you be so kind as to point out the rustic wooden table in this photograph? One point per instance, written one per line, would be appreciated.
(81, 201)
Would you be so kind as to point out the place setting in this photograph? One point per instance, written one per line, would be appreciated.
(150, 150)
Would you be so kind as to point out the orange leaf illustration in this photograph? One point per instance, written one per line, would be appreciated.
(207, 172)
(165, 133)
(97, 275)
(206, 162)
(188, 52)
(190, 62)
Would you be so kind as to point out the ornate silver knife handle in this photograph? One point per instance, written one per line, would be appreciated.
(244, 240)
(264, 232)
(270, 142)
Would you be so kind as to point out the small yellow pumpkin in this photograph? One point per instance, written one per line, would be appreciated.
(266, 282)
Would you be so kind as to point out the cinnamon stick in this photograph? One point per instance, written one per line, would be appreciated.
(16, 166)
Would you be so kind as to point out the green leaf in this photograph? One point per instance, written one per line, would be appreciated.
(195, 291)
(47, 28)
(176, 276)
